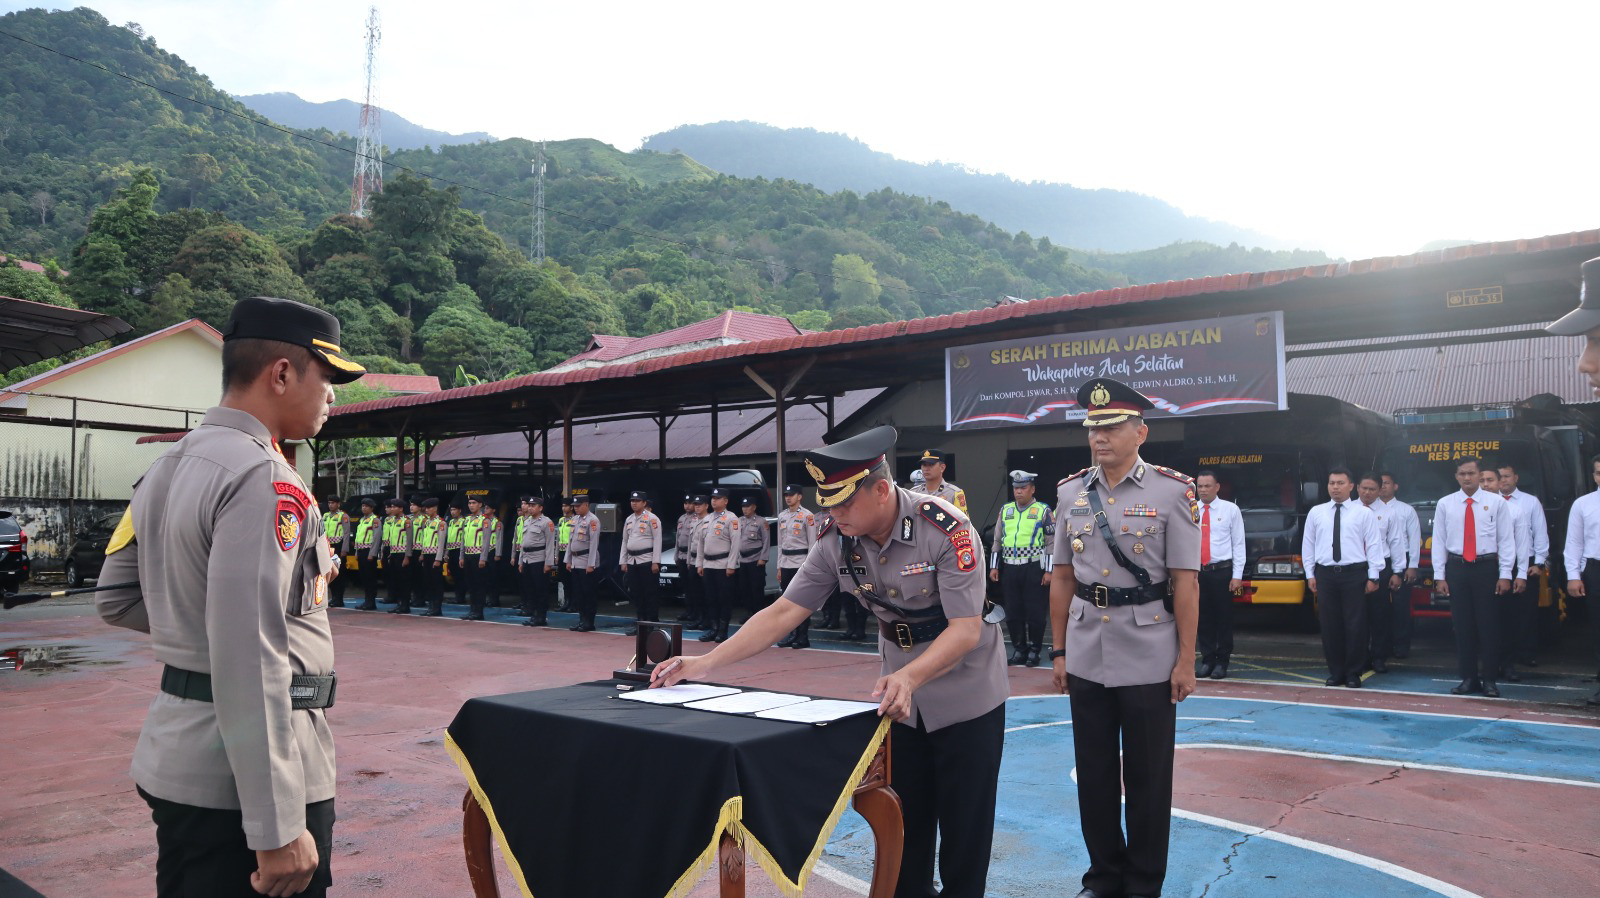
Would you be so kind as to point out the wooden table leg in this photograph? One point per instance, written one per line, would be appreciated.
(878, 804)
(480, 855)
(730, 866)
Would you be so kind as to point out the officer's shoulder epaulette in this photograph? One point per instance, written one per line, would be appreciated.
(1063, 481)
(826, 526)
(940, 513)
(1175, 475)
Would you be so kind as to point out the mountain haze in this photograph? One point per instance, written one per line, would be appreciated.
(345, 116)
(1102, 220)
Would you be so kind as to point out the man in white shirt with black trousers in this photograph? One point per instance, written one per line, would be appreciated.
(1345, 547)
(1409, 529)
(1221, 575)
(1523, 612)
(1474, 544)
(1582, 557)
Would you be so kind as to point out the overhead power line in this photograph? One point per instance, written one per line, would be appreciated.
(695, 247)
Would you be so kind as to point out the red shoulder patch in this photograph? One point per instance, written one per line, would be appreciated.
(966, 557)
(293, 491)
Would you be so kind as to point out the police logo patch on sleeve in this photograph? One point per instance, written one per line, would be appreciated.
(966, 558)
(287, 524)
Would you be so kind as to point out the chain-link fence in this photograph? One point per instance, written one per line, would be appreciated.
(68, 465)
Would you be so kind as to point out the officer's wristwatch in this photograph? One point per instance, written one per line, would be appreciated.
(1057, 653)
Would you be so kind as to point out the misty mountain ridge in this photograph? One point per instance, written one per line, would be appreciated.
(398, 133)
(1103, 220)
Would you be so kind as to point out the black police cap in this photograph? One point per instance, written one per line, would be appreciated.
(929, 456)
(271, 318)
(1106, 402)
(838, 469)
(370, 503)
(1586, 317)
(793, 489)
(395, 503)
(430, 503)
(534, 500)
(719, 493)
(748, 500)
(700, 499)
(640, 495)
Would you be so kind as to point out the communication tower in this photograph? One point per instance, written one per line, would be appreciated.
(538, 206)
(369, 145)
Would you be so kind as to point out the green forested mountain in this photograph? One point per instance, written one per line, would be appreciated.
(1194, 259)
(163, 209)
(343, 115)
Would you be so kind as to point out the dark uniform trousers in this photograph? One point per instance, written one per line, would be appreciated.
(1521, 624)
(431, 578)
(1475, 614)
(581, 581)
(397, 578)
(368, 567)
(491, 581)
(1214, 636)
(1400, 619)
(1026, 601)
(534, 585)
(1137, 724)
(642, 587)
(946, 781)
(472, 576)
(1380, 620)
(694, 593)
(201, 852)
(1342, 614)
(1591, 588)
(337, 585)
(752, 585)
(719, 595)
(452, 560)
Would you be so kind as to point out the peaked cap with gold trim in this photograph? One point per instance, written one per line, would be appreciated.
(1106, 402)
(271, 318)
(838, 469)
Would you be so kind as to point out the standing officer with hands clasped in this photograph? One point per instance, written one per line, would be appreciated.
(915, 561)
(1344, 552)
(1021, 564)
(1221, 575)
(236, 758)
(1123, 608)
(641, 558)
(1475, 544)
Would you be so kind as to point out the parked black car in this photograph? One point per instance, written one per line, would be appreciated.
(89, 552)
(14, 565)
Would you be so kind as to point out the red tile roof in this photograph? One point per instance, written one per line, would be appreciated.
(24, 264)
(400, 383)
(1229, 283)
(731, 326)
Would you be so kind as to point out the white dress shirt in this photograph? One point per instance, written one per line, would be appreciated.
(1410, 532)
(1227, 533)
(1537, 525)
(1359, 538)
(1522, 530)
(1393, 543)
(1491, 517)
(1583, 535)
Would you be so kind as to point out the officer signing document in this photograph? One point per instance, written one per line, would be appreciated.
(235, 758)
(914, 561)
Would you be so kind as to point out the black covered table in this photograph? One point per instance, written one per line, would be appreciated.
(589, 795)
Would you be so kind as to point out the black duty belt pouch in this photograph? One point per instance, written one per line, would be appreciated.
(305, 690)
(1139, 573)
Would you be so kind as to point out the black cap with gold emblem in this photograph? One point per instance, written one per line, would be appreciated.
(837, 469)
(929, 456)
(1586, 317)
(1106, 402)
(270, 318)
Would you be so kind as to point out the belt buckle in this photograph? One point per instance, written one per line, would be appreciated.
(1102, 596)
(902, 635)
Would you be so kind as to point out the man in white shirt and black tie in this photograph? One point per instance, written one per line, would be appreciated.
(1345, 551)
(1409, 530)
(1380, 617)
(1523, 612)
(1221, 575)
(1582, 557)
(1474, 544)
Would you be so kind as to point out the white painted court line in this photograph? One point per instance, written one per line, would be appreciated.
(840, 878)
(1404, 765)
(1277, 701)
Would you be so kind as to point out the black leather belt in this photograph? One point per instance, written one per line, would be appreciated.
(1342, 568)
(795, 551)
(306, 691)
(1218, 565)
(709, 557)
(1112, 596)
(906, 634)
(1486, 556)
(746, 559)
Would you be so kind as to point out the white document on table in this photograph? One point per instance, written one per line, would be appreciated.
(820, 710)
(747, 702)
(677, 695)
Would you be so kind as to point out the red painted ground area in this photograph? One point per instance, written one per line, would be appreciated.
(1462, 829)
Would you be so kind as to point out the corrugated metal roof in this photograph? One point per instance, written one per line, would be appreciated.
(1447, 374)
(689, 437)
(730, 326)
(1222, 284)
(104, 327)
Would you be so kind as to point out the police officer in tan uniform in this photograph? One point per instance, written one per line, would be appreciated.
(933, 482)
(797, 530)
(583, 557)
(717, 561)
(536, 561)
(1124, 604)
(235, 758)
(683, 538)
(755, 544)
(641, 558)
(915, 561)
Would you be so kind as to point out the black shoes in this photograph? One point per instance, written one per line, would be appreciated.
(1466, 687)
(1353, 683)
(1033, 658)
(1220, 672)
(1206, 667)
(1511, 675)
(632, 631)
(536, 621)
(686, 616)
(1018, 656)
(1593, 699)
(400, 609)
(430, 613)
(367, 606)
(1490, 690)
(1333, 681)
(801, 642)
(476, 615)
(708, 636)
(789, 641)
(1378, 666)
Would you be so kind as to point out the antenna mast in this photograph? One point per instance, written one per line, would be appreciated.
(369, 145)
(538, 206)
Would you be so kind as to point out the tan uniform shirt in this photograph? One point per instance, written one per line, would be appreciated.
(641, 539)
(755, 542)
(923, 565)
(688, 522)
(714, 541)
(584, 549)
(947, 491)
(538, 543)
(232, 567)
(797, 530)
(1153, 516)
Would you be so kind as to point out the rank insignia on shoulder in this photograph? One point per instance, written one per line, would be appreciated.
(945, 522)
(1175, 475)
(1063, 481)
(905, 527)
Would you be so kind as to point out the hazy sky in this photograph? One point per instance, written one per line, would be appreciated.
(1358, 128)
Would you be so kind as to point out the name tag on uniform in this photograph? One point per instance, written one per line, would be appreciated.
(847, 569)
(920, 567)
(1079, 511)
(1139, 511)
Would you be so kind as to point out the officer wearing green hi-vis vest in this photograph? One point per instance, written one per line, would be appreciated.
(454, 527)
(1020, 562)
(367, 529)
(473, 538)
(336, 527)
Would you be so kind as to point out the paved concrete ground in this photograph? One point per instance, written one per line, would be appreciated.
(1284, 788)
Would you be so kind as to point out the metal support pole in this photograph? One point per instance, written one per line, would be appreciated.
(72, 479)
(661, 434)
(715, 474)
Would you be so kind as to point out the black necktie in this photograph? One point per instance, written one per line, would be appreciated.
(1337, 551)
